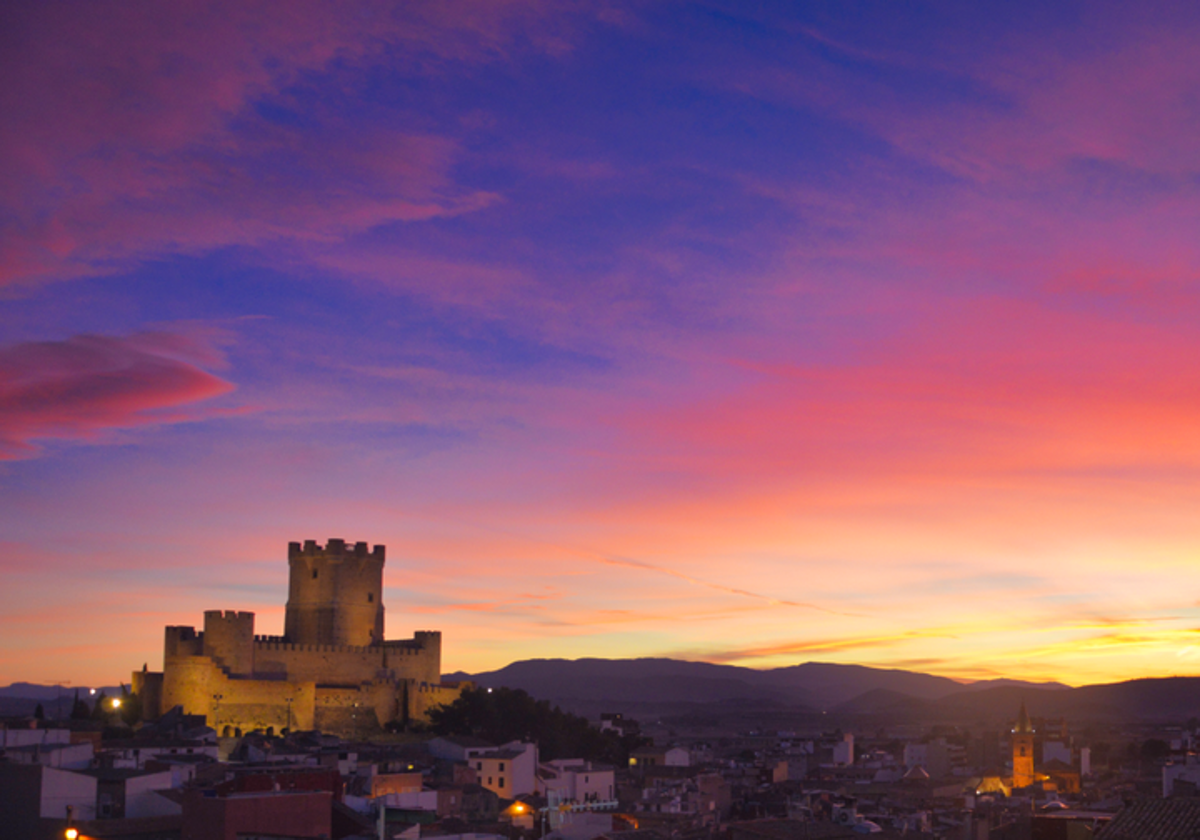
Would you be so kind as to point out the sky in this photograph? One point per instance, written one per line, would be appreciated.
(746, 332)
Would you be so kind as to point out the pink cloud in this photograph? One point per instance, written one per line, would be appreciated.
(80, 388)
(130, 131)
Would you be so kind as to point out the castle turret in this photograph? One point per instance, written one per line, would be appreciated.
(229, 640)
(335, 594)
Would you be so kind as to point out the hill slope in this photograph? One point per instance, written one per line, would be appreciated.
(812, 686)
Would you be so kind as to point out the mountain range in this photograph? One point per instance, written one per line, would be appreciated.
(22, 698)
(663, 686)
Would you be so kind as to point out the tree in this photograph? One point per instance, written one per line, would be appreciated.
(99, 710)
(79, 709)
(1155, 749)
(131, 708)
(504, 714)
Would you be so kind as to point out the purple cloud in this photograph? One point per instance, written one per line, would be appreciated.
(80, 388)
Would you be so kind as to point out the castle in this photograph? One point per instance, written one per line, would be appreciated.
(331, 670)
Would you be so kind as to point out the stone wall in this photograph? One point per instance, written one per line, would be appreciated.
(425, 696)
(198, 685)
(326, 664)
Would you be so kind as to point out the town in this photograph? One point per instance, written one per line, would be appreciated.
(179, 778)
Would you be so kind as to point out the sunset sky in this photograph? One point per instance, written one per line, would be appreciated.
(753, 333)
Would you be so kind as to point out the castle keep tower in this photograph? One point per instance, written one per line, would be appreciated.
(335, 594)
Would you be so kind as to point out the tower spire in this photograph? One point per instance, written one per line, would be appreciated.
(1023, 723)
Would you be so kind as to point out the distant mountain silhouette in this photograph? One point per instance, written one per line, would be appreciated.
(33, 691)
(21, 698)
(811, 687)
(636, 681)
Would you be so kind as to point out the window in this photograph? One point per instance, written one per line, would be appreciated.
(501, 766)
(314, 574)
(370, 597)
(479, 765)
(501, 781)
(489, 780)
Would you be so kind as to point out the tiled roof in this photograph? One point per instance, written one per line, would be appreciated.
(1155, 819)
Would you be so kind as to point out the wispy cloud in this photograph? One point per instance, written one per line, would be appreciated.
(83, 387)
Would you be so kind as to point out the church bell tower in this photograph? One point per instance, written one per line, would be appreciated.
(1022, 747)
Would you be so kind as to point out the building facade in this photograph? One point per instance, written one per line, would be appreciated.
(331, 670)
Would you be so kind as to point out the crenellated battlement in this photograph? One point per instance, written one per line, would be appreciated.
(406, 647)
(231, 616)
(334, 548)
(181, 632)
(288, 647)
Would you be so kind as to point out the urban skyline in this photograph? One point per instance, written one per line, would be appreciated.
(753, 335)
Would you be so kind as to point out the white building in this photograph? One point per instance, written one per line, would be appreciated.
(843, 751)
(576, 780)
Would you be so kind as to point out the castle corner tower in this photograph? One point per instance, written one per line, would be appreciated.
(335, 594)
